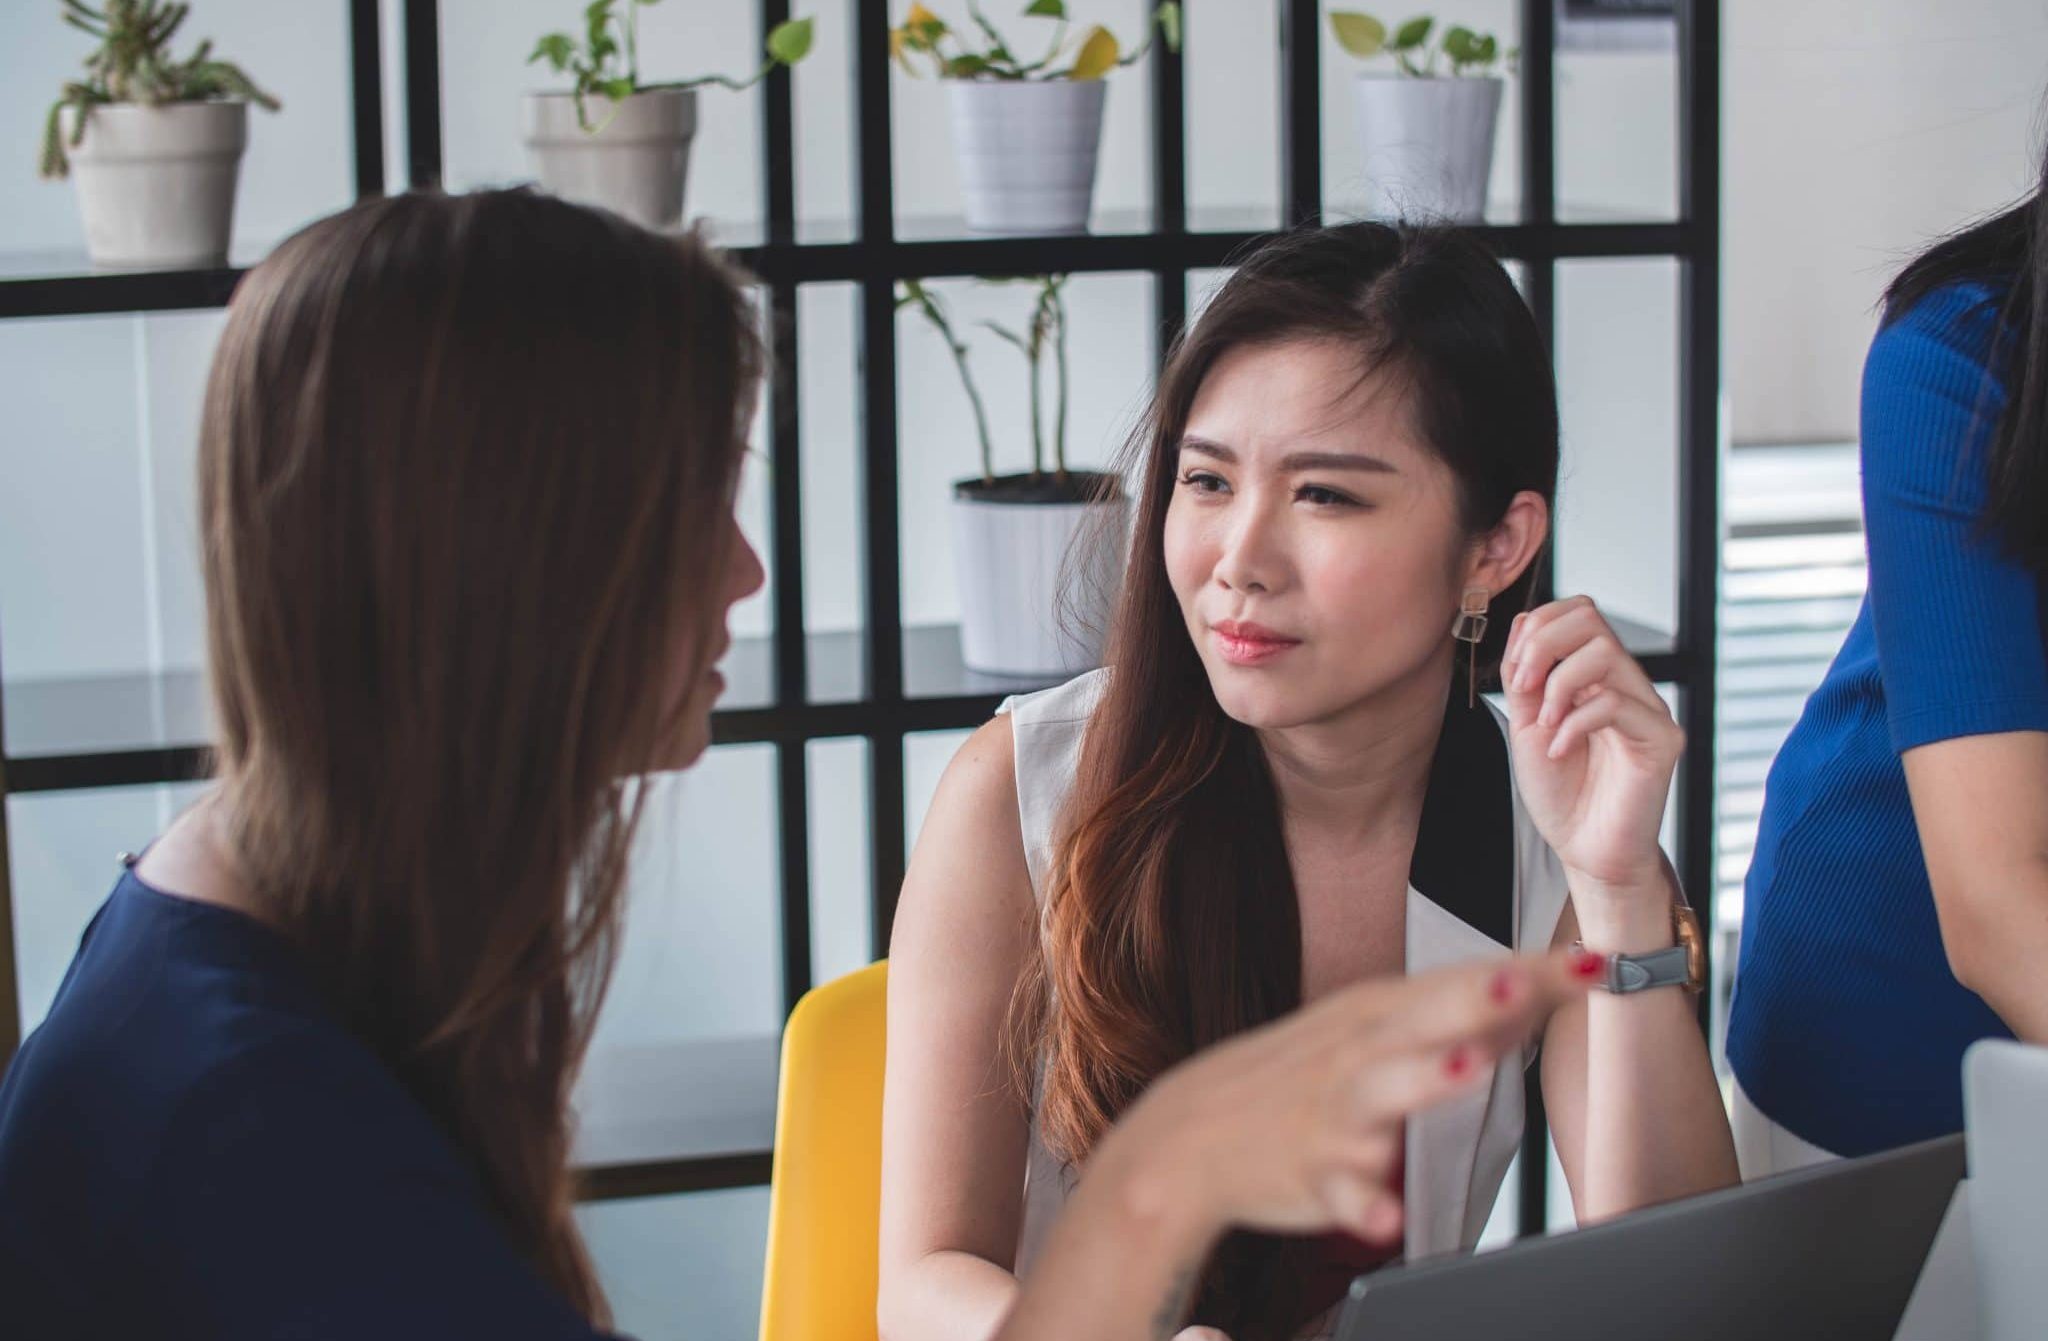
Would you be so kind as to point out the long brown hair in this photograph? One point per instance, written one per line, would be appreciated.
(1170, 919)
(466, 464)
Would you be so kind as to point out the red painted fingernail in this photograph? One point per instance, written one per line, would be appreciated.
(1588, 964)
(1460, 1060)
(1502, 988)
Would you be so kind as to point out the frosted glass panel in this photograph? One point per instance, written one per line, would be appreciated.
(840, 815)
(925, 756)
(64, 848)
(1617, 370)
(1231, 75)
(681, 1268)
(701, 956)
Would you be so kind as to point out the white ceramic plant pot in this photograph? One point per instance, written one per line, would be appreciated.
(1428, 145)
(1027, 152)
(156, 185)
(1024, 609)
(634, 165)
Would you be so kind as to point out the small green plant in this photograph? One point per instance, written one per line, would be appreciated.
(1045, 333)
(924, 34)
(1464, 51)
(606, 62)
(133, 64)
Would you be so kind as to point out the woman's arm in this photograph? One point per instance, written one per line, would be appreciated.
(1291, 1128)
(1981, 805)
(1958, 625)
(1629, 1089)
(954, 1132)
(1627, 1081)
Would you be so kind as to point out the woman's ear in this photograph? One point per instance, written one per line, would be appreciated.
(1505, 553)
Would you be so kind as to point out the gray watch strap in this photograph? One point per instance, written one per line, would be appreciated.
(1640, 973)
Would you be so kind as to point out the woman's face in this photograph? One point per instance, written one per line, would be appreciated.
(1313, 542)
(744, 576)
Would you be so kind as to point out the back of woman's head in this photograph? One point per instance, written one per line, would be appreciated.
(466, 473)
(1170, 917)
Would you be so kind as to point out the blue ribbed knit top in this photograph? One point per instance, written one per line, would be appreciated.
(1848, 1027)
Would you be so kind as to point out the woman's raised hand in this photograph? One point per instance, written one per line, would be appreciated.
(1594, 749)
(1296, 1127)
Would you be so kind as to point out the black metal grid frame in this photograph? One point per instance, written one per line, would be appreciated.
(885, 714)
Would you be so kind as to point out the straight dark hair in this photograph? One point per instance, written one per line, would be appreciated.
(2010, 252)
(1170, 919)
(466, 474)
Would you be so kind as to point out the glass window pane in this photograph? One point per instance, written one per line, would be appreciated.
(840, 820)
(1617, 370)
(681, 1268)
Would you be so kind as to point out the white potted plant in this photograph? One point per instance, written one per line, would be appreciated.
(1026, 132)
(1426, 127)
(616, 142)
(154, 144)
(1036, 554)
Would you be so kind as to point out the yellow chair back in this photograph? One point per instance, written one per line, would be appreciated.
(824, 1207)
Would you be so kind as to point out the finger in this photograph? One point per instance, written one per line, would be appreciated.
(1551, 640)
(1396, 1080)
(1567, 685)
(1649, 728)
(1350, 1200)
(1444, 1007)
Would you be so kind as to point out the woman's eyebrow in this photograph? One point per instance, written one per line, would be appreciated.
(1298, 460)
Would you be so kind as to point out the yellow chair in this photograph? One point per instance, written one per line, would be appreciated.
(824, 1207)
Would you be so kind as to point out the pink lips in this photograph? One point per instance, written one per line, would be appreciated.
(1244, 644)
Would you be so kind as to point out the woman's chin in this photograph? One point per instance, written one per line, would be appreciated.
(1259, 700)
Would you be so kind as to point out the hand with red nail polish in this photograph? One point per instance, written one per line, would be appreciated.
(1294, 1127)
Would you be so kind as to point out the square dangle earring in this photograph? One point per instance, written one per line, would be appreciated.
(1469, 629)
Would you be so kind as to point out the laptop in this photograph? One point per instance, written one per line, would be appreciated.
(2005, 1112)
(1827, 1252)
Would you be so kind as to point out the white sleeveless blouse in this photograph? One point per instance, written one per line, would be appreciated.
(1492, 885)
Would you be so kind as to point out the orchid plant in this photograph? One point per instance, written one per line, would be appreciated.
(1043, 336)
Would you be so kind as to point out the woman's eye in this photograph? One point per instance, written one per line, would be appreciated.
(1202, 482)
(1317, 494)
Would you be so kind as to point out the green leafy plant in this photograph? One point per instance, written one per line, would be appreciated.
(1464, 51)
(133, 64)
(1043, 335)
(989, 55)
(606, 61)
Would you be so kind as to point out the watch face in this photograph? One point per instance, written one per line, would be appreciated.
(1688, 927)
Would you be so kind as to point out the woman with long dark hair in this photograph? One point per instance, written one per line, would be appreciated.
(1897, 906)
(467, 477)
(1283, 783)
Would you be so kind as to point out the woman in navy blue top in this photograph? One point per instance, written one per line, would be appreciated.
(467, 479)
(1897, 908)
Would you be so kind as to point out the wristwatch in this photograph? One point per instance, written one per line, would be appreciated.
(1682, 965)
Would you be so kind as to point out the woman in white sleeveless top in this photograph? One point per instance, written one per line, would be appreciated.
(1279, 787)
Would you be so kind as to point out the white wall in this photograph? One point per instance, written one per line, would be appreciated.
(1856, 131)
(98, 570)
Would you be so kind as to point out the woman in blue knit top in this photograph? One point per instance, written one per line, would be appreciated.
(1898, 903)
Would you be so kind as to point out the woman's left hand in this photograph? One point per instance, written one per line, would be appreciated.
(1594, 749)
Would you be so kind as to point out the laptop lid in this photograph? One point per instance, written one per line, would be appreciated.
(2005, 1112)
(1830, 1251)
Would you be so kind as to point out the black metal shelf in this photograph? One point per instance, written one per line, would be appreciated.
(46, 285)
(137, 730)
(700, 1115)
